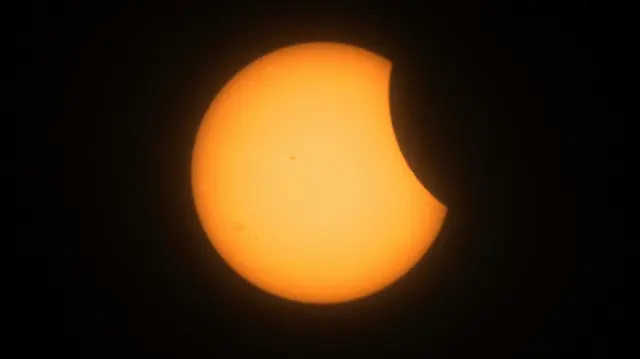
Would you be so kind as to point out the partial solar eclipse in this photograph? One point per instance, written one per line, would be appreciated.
(299, 181)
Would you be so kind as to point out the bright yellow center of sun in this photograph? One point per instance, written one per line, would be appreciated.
(299, 181)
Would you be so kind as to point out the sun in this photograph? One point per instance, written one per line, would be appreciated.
(299, 182)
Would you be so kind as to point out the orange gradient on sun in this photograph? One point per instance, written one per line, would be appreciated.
(299, 181)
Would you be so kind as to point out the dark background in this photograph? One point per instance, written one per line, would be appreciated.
(507, 115)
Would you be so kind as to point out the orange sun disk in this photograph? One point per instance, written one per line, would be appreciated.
(299, 181)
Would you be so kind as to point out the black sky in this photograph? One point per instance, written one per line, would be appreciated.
(507, 115)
